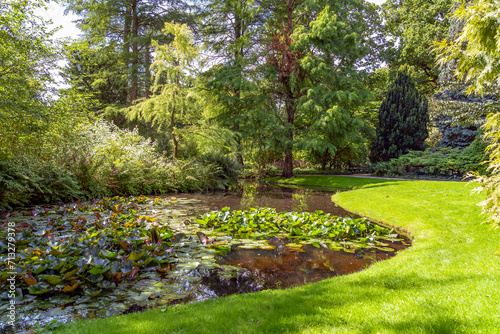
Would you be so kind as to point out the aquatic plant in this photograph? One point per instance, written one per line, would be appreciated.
(107, 242)
(308, 227)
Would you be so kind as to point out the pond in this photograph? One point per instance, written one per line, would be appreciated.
(196, 263)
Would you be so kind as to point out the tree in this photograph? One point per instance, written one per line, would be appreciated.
(314, 53)
(124, 30)
(474, 49)
(335, 139)
(27, 54)
(476, 57)
(92, 70)
(403, 119)
(457, 113)
(173, 94)
(230, 30)
(416, 25)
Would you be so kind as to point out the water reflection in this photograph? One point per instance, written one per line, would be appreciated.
(254, 195)
(285, 267)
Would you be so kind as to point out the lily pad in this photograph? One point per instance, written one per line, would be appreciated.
(136, 256)
(295, 246)
(92, 293)
(51, 279)
(71, 287)
(29, 280)
(139, 297)
(257, 244)
(188, 265)
(385, 249)
(108, 254)
(38, 289)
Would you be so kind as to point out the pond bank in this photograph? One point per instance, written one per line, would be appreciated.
(447, 282)
(122, 255)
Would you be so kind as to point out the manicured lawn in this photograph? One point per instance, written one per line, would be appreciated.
(447, 282)
(343, 182)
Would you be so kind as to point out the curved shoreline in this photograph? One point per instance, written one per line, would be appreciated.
(446, 282)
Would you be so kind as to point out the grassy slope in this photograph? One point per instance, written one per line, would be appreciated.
(447, 282)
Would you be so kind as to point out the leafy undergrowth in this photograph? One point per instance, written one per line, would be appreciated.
(305, 227)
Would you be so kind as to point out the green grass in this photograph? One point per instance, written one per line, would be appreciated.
(447, 282)
(342, 182)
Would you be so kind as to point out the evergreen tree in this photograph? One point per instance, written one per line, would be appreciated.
(124, 31)
(94, 71)
(403, 118)
(313, 55)
(173, 93)
(230, 31)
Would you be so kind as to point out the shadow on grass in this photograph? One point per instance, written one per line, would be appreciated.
(322, 306)
(317, 183)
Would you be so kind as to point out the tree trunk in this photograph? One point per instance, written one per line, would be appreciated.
(324, 160)
(135, 56)
(237, 92)
(172, 132)
(237, 147)
(147, 78)
(172, 119)
(126, 46)
(288, 166)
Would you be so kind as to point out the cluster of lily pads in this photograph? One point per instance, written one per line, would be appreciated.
(300, 226)
(90, 247)
(106, 243)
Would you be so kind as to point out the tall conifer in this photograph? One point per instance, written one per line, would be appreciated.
(403, 118)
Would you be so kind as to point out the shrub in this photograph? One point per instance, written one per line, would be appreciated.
(13, 182)
(102, 160)
(53, 183)
(26, 180)
(124, 163)
(445, 161)
(224, 169)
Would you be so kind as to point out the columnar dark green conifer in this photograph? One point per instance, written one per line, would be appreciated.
(403, 118)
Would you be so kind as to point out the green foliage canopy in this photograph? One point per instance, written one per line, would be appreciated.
(313, 60)
(26, 55)
(477, 56)
(416, 25)
(231, 31)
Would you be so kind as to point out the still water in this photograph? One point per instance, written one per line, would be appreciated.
(283, 266)
(201, 272)
(254, 195)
